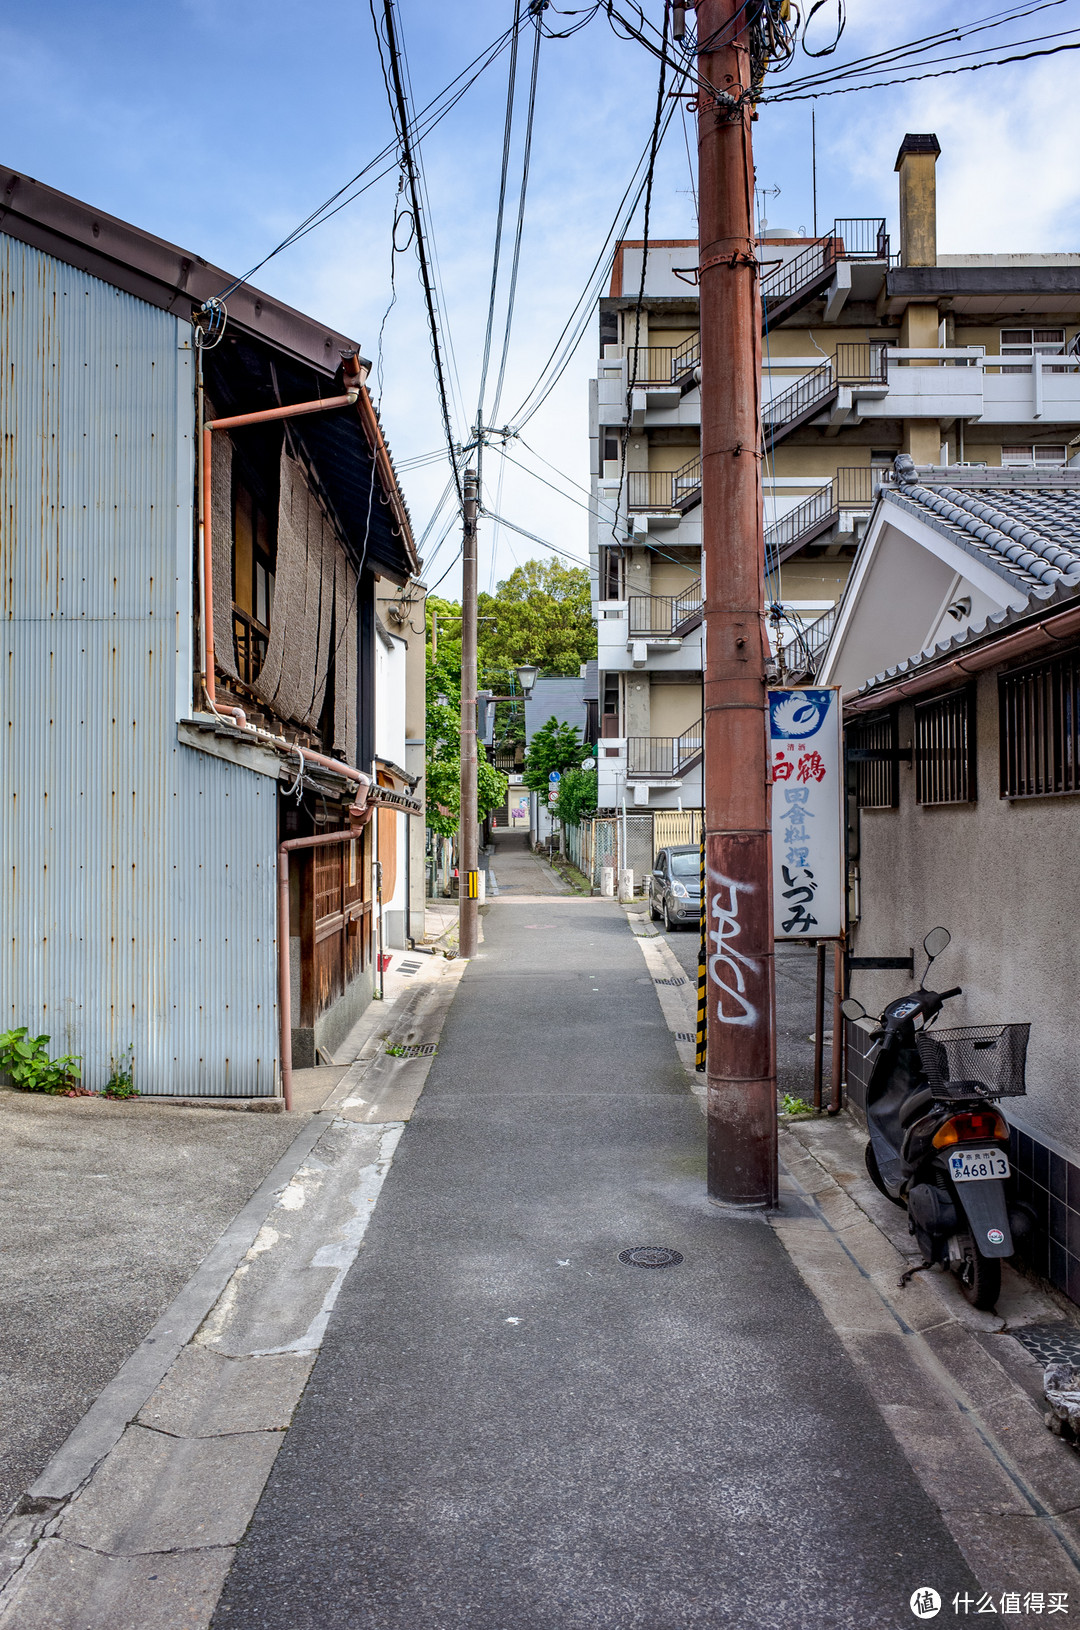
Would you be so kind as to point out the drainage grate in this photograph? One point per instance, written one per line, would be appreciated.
(650, 1256)
(1051, 1343)
(669, 981)
(685, 1035)
(416, 1049)
(408, 967)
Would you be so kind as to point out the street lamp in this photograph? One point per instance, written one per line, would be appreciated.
(527, 677)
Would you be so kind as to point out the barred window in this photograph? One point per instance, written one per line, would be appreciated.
(945, 749)
(873, 747)
(1038, 728)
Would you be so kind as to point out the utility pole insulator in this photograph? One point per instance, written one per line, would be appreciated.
(741, 1052)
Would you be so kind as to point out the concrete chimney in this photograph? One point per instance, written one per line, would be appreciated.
(916, 162)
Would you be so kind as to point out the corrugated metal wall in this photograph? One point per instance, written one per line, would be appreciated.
(137, 875)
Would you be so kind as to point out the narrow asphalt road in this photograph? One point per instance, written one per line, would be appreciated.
(508, 1427)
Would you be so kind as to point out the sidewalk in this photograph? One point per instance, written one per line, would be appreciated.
(507, 1425)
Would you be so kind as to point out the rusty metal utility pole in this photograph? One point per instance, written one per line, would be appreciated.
(741, 1068)
(469, 851)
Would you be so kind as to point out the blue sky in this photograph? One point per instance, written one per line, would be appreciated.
(219, 124)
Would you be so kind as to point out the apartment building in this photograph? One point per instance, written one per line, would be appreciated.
(868, 350)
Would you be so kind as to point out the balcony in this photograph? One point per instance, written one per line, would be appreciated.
(671, 492)
(665, 372)
(664, 617)
(825, 267)
(859, 368)
(661, 759)
(851, 490)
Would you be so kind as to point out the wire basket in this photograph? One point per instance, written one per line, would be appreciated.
(975, 1060)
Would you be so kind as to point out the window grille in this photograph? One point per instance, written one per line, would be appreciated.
(945, 749)
(1038, 728)
(877, 782)
(1027, 455)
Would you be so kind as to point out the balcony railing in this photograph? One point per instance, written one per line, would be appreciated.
(662, 364)
(852, 364)
(662, 757)
(663, 614)
(852, 488)
(795, 282)
(665, 489)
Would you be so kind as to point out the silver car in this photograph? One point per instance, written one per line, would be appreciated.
(675, 887)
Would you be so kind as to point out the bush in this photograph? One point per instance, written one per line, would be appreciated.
(28, 1063)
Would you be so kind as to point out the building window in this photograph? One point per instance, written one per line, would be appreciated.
(1024, 457)
(253, 580)
(873, 746)
(1031, 342)
(945, 749)
(1038, 728)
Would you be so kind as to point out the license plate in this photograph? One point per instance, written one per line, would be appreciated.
(976, 1165)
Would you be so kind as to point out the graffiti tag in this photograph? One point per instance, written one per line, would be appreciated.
(727, 965)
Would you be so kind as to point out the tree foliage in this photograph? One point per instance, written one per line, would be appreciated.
(540, 614)
(577, 796)
(443, 756)
(555, 746)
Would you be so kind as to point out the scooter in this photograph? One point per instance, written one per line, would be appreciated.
(938, 1145)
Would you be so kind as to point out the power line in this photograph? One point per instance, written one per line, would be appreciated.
(399, 112)
(516, 260)
(910, 79)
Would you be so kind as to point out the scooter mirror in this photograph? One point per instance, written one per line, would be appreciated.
(852, 1008)
(936, 941)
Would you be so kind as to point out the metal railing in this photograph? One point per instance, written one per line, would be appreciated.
(816, 636)
(853, 487)
(862, 364)
(662, 364)
(853, 238)
(664, 489)
(785, 280)
(862, 237)
(806, 392)
(666, 756)
(662, 613)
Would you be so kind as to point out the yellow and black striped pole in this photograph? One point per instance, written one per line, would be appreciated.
(702, 972)
(472, 889)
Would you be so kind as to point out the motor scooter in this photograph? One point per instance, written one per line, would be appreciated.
(939, 1146)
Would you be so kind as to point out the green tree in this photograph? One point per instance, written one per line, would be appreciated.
(541, 614)
(577, 796)
(443, 755)
(555, 746)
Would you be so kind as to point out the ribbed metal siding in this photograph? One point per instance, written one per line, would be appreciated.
(137, 889)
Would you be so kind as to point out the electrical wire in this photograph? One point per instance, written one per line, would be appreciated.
(543, 542)
(422, 125)
(911, 79)
(399, 111)
(516, 258)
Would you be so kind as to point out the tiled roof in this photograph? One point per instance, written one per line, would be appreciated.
(1024, 524)
(1029, 534)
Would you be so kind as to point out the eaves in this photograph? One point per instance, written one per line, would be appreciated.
(173, 279)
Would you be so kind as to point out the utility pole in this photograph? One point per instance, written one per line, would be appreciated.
(469, 857)
(741, 1059)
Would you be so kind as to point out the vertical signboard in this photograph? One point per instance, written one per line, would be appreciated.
(806, 754)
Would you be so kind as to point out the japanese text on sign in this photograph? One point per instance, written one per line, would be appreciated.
(806, 755)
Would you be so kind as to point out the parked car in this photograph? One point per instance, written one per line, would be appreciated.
(675, 886)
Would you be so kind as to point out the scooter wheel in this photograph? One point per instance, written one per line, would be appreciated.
(875, 1177)
(980, 1277)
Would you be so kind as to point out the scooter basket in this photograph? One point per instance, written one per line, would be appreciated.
(975, 1060)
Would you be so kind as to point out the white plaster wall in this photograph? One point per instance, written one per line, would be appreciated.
(1004, 878)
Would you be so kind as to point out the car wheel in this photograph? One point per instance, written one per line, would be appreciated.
(668, 924)
(653, 913)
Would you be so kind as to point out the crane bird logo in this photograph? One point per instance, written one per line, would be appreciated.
(798, 714)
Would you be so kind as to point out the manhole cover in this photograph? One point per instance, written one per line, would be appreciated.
(650, 1256)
